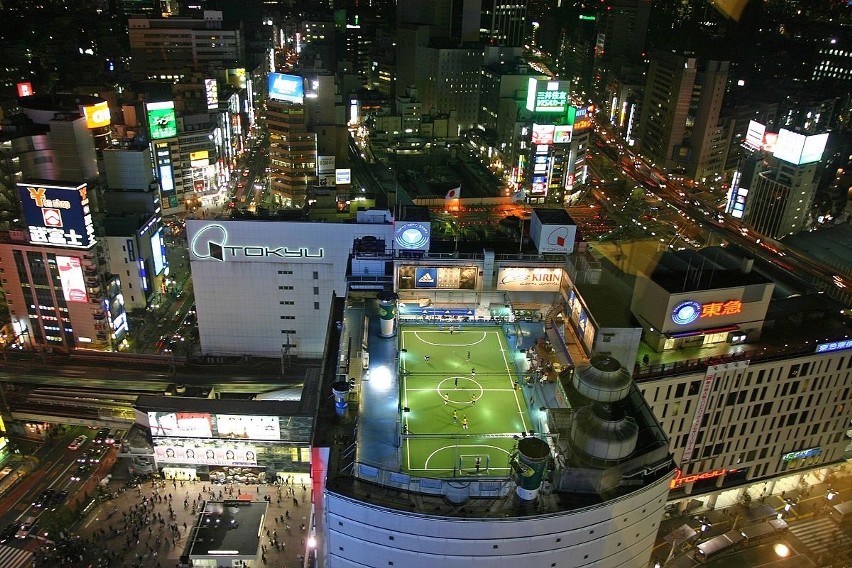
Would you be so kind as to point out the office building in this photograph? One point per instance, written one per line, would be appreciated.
(679, 126)
(174, 47)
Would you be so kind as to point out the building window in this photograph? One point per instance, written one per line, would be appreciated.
(316, 291)
(316, 275)
(316, 305)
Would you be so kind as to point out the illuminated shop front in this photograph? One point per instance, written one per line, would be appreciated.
(226, 440)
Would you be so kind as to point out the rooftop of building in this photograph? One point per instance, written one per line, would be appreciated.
(59, 102)
(232, 526)
(690, 270)
(831, 246)
(552, 216)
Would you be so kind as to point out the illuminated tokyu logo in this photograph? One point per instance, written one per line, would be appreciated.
(687, 312)
(211, 241)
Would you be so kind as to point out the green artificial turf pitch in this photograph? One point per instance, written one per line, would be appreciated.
(436, 446)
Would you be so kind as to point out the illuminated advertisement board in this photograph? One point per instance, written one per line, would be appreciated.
(161, 120)
(211, 93)
(687, 312)
(236, 77)
(814, 146)
(547, 96)
(542, 133)
(25, 89)
(97, 115)
(212, 241)
(248, 427)
(242, 456)
(801, 454)
(562, 133)
(289, 88)
(516, 279)
(199, 159)
(181, 424)
(754, 134)
(579, 119)
(342, 176)
(437, 277)
(71, 277)
(412, 236)
(157, 253)
(799, 149)
(58, 215)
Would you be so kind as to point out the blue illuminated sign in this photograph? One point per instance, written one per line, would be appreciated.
(801, 454)
(412, 236)
(686, 312)
(426, 278)
(290, 88)
(834, 346)
(58, 215)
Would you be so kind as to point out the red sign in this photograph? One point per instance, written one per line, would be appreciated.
(25, 89)
(678, 480)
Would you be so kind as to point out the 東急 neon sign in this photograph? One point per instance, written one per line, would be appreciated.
(687, 312)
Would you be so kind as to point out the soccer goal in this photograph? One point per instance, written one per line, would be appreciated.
(472, 464)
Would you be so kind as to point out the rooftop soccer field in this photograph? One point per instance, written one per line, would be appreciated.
(463, 406)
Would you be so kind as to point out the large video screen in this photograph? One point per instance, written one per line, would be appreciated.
(71, 277)
(157, 252)
(248, 427)
(181, 424)
(290, 88)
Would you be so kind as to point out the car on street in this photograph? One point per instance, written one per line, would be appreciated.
(25, 527)
(100, 436)
(81, 471)
(56, 500)
(8, 532)
(77, 442)
(43, 499)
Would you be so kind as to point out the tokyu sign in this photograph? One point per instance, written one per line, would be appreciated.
(211, 242)
(687, 312)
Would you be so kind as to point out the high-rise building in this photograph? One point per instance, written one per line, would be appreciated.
(169, 48)
(452, 85)
(775, 183)
(61, 295)
(622, 28)
(679, 123)
(504, 23)
(292, 146)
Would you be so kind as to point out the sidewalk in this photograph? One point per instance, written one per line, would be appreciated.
(129, 525)
(806, 502)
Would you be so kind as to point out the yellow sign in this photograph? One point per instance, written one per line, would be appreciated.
(199, 159)
(97, 115)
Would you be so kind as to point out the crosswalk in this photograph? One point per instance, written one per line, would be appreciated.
(14, 557)
(822, 536)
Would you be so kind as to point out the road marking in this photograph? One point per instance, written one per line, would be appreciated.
(14, 557)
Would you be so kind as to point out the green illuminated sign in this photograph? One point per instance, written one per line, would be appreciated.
(547, 96)
(587, 18)
(161, 120)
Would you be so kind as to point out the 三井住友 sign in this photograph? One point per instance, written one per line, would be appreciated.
(687, 312)
(58, 215)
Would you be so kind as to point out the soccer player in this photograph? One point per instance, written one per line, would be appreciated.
(455, 416)
(456, 381)
(473, 400)
(426, 358)
(446, 398)
(468, 356)
(473, 373)
(464, 423)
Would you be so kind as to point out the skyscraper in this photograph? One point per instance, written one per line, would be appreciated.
(680, 112)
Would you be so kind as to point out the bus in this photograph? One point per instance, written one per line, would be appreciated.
(841, 513)
(759, 532)
(717, 546)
